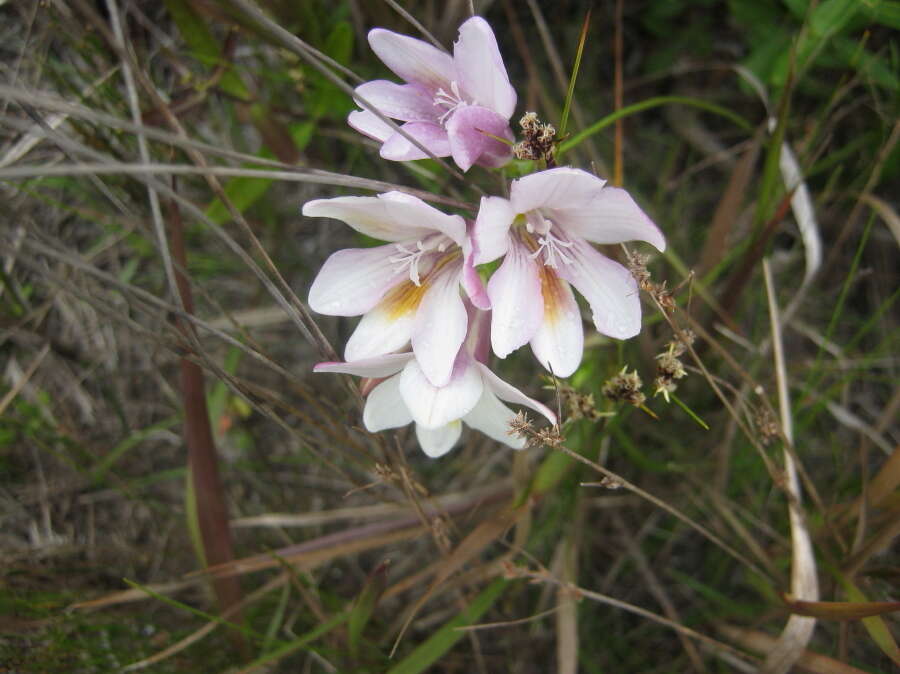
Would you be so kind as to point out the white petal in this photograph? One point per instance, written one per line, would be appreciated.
(516, 302)
(367, 123)
(492, 418)
(399, 101)
(436, 442)
(558, 342)
(562, 187)
(490, 234)
(385, 407)
(392, 216)
(470, 130)
(379, 366)
(511, 394)
(379, 332)
(415, 61)
(430, 135)
(607, 286)
(352, 281)
(480, 68)
(432, 406)
(440, 326)
(612, 216)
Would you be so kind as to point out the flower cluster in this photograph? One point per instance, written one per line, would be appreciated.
(429, 321)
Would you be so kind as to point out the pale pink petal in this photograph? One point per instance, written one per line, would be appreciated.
(558, 342)
(470, 129)
(385, 407)
(392, 216)
(492, 418)
(432, 406)
(368, 124)
(406, 102)
(480, 68)
(440, 326)
(379, 332)
(612, 216)
(379, 366)
(352, 281)
(471, 280)
(429, 134)
(562, 187)
(411, 213)
(490, 234)
(607, 286)
(511, 394)
(413, 60)
(516, 302)
(436, 442)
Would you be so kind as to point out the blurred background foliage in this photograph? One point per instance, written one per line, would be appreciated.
(94, 478)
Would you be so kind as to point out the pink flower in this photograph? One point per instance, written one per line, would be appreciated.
(407, 290)
(471, 395)
(544, 229)
(447, 102)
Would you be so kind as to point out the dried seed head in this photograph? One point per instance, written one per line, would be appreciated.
(625, 387)
(538, 140)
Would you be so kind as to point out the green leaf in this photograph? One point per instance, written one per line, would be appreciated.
(244, 192)
(824, 22)
(204, 46)
(365, 605)
(443, 640)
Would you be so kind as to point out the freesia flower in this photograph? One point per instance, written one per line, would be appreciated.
(449, 104)
(544, 229)
(472, 395)
(407, 290)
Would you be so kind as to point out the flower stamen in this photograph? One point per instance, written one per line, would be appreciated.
(409, 255)
(552, 248)
(453, 100)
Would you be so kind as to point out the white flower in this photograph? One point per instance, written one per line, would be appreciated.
(544, 230)
(407, 290)
(471, 395)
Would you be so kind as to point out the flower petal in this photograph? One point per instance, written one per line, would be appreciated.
(432, 406)
(511, 394)
(607, 286)
(413, 60)
(492, 418)
(381, 331)
(392, 216)
(516, 301)
(468, 128)
(385, 408)
(379, 366)
(430, 135)
(436, 442)
(440, 325)
(368, 124)
(352, 281)
(558, 342)
(471, 281)
(561, 187)
(612, 216)
(490, 234)
(480, 69)
(406, 102)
